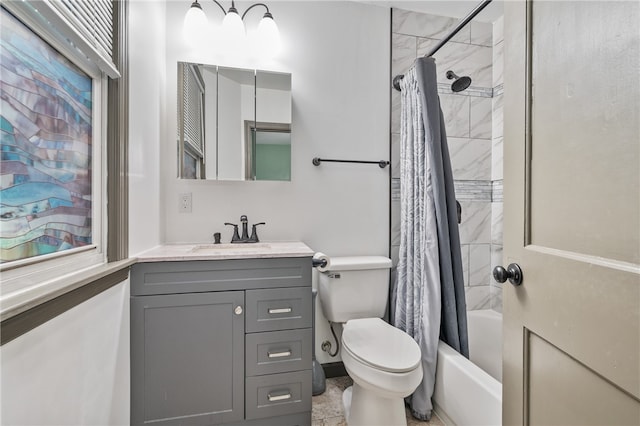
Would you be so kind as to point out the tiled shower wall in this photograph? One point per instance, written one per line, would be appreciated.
(473, 120)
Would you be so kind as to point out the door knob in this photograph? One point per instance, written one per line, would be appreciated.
(513, 273)
(238, 310)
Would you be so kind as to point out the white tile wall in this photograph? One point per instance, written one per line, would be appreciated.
(496, 298)
(395, 155)
(479, 264)
(455, 109)
(425, 25)
(480, 118)
(496, 259)
(404, 52)
(481, 33)
(497, 121)
(478, 297)
(496, 158)
(498, 27)
(470, 158)
(395, 224)
(498, 63)
(395, 111)
(464, 248)
(476, 222)
(496, 223)
(496, 161)
(463, 59)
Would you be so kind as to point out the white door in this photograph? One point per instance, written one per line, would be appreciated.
(572, 212)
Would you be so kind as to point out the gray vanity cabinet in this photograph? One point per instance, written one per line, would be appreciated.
(188, 353)
(221, 342)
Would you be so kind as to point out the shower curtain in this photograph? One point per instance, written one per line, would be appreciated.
(429, 301)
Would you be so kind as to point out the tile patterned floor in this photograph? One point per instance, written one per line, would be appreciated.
(327, 408)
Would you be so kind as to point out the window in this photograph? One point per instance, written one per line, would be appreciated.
(191, 127)
(46, 126)
(55, 74)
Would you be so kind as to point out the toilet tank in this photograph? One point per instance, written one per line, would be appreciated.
(354, 287)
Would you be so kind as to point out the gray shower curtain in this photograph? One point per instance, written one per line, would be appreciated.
(429, 301)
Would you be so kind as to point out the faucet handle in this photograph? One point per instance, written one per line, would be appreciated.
(236, 236)
(254, 233)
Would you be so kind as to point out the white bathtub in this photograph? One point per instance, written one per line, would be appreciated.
(469, 392)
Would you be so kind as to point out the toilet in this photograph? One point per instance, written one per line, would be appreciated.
(383, 361)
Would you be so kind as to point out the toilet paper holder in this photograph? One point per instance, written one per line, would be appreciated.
(319, 262)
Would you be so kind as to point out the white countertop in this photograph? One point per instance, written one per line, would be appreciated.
(261, 250)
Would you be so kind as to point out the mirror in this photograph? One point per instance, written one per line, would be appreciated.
(233, 124)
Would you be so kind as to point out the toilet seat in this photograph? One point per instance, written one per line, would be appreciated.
(379, 345)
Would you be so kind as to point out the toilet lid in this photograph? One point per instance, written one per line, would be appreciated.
(380, 345)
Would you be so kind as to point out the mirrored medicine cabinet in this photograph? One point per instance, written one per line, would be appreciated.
(233, 124)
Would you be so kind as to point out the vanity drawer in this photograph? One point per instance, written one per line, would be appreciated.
(219, 275)
(278, 309)
(278, 394)
(278, 352)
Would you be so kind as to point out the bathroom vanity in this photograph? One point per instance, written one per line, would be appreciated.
(222, 335)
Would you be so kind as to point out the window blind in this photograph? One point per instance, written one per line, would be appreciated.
(94, 20)
(193, 109)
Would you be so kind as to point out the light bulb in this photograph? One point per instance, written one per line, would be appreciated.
(268, 37)
(194, 29)
(232, 27)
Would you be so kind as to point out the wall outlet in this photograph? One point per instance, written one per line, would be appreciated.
(184, 201)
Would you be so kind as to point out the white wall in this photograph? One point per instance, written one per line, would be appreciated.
(340, 97)
(338, 55)
(73, 369)
(147, 111)
(273, 106)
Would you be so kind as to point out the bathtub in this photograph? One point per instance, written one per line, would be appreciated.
(469, 392)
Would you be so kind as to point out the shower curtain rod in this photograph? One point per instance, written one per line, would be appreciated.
(456, 30)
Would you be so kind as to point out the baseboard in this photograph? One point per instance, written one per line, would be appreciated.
(334, 369)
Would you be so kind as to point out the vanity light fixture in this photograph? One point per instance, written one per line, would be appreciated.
(265, 41)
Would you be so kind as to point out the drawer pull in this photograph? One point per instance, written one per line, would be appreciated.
(279, 354)
(274, 398)
(273, 311)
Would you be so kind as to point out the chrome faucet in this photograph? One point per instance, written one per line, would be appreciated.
(245, 238)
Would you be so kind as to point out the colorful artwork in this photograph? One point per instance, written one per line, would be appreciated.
(45, 131)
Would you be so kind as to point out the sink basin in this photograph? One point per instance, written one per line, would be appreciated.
(242, 247)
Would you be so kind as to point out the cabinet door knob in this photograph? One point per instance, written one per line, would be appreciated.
(238, 310)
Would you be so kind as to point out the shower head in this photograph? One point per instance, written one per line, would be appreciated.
(460, 83)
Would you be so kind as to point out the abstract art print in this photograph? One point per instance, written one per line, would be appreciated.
(46, 146)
